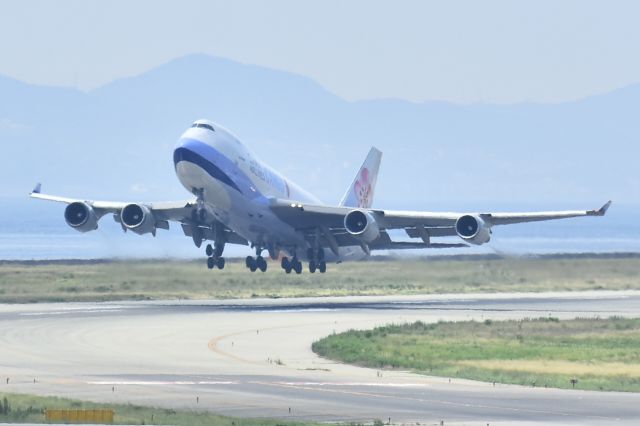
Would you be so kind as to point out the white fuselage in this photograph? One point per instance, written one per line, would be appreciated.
(237, 189)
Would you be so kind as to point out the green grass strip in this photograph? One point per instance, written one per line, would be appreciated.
(22, 282)
(601, 354)
(21, 408)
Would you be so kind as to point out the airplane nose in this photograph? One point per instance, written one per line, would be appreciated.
(181, 153)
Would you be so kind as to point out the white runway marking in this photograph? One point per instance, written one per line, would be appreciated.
(358, 384)
(70, 312)
(159, 383)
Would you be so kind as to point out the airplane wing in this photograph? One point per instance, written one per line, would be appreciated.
(155, 216)
(325, 223)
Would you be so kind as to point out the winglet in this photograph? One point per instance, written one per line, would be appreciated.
(37, 189)
(601, 211)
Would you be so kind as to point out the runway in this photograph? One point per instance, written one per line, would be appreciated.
(253, 358)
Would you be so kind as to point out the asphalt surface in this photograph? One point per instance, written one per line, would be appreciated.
(253, 358)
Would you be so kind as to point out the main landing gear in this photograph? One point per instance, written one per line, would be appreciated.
(214, 256)
(316, 261)
(292, 264)
(255, 263)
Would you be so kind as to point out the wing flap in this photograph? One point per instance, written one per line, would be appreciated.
(208, 233)
(426, 233)
(303, 216)
(409, 245)
(307, 216)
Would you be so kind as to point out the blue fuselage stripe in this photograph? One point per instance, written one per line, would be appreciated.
(184, 154)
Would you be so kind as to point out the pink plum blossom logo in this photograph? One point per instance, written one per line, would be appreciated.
(362, 189)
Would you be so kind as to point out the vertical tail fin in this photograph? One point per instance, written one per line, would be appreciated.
(360, 193)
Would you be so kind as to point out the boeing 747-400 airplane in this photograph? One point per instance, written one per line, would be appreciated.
(240, 200)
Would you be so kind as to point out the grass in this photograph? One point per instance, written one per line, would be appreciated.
(602, 354)
(30, 408)
(142, 279)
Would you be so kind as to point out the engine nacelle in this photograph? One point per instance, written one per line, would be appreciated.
(473, 229)
(362, 224)
(81, 217)
(138, 218)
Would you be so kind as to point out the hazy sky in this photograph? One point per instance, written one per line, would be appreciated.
(462, 51)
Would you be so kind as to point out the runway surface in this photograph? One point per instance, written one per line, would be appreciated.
(253, 358)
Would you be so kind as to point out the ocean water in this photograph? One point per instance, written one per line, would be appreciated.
(31, 230)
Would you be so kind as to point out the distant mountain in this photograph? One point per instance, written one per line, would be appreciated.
(116, 141)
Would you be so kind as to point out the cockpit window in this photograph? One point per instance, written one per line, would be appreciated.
(204, 125)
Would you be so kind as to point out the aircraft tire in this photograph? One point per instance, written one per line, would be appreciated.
(322, 267)
(252, 264)
(261, 264)
(211, 262)
(209, 250)
(284, 263)
(220, 263)
(312, 266)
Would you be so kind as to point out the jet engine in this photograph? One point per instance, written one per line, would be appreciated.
(473, 229)
(138, 218)
(81, 217)
(362, 224)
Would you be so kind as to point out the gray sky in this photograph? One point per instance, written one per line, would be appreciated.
(461, 51)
